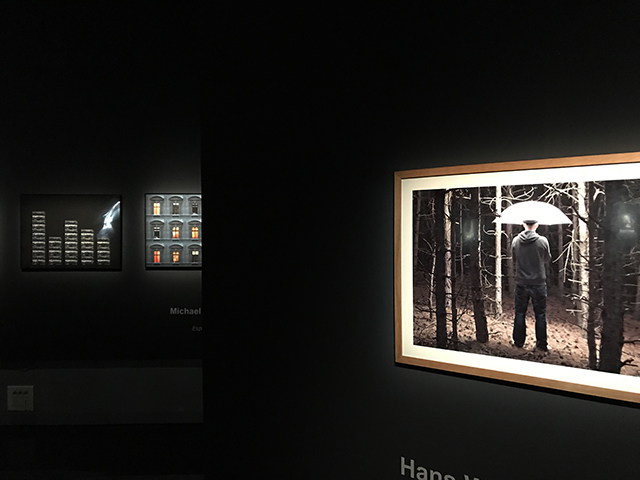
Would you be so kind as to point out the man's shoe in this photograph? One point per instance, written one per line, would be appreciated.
(541, 347)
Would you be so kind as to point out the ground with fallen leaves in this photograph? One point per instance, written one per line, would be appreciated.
(567, 342)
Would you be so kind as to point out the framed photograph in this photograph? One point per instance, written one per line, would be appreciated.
(527, 272)
(173, 230)
(70, 232)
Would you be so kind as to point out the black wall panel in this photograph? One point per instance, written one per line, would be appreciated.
(322, 108)
(87, 108)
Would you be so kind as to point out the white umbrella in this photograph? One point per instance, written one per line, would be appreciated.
(542, 213)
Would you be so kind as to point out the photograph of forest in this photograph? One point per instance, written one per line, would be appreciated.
(464, 272)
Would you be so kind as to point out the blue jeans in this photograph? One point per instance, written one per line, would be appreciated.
(538, 296)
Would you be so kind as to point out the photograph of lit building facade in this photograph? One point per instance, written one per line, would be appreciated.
(70, 232)
(173, 230)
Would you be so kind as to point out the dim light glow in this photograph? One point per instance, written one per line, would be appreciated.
(109, 217)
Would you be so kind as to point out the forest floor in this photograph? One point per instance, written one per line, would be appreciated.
(566, 340)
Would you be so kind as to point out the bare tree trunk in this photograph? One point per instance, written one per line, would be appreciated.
(613, 310)
(432, 278)
(440, 277)
(482, 331)
(561, 259)
(454, 310)
(461, 272)
(575, 261)
(432, 287)
(636, 310)
(591, 318)
(416, 227)
(511, 275)
(498, 244)
(583, 249)
(447, 246)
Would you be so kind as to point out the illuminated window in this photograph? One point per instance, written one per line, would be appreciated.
(156, 231)
(175, 208)
(194, 207)
(195, 255)
(156, 208)
(195, 232)
(176, 256)
(156, 256)
(175, 232)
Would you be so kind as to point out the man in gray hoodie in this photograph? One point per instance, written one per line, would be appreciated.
(531, 253)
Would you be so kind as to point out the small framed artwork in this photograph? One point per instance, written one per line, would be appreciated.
(70, 232)
(526, 272)
(173, 230)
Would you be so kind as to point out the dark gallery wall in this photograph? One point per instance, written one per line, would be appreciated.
(88, 110)
(98, 98)
(320, 108)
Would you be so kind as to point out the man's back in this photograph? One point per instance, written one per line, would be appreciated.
(531, 252)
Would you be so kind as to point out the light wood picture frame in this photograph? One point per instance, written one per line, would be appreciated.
(593, 293)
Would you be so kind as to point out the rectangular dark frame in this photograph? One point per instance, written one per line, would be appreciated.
(90, 212)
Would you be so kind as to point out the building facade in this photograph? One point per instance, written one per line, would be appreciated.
(173, 230)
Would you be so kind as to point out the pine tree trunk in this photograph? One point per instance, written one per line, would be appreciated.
(440, 275)
(498, 247)
(461, 271)
(432, 277)
(612, 281)
(591, 318)
(482, 332)
(561, 258)
(583, 249)
(636, 310)
(561, 262)
(575, 255)
(432, 287)
(447, 246)
(454, 310)
(417, 204)
(511, 275)
(511, 278)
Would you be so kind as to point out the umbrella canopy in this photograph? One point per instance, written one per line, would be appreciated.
(542, 213)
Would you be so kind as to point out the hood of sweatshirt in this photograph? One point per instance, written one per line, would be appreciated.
(528, 236)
